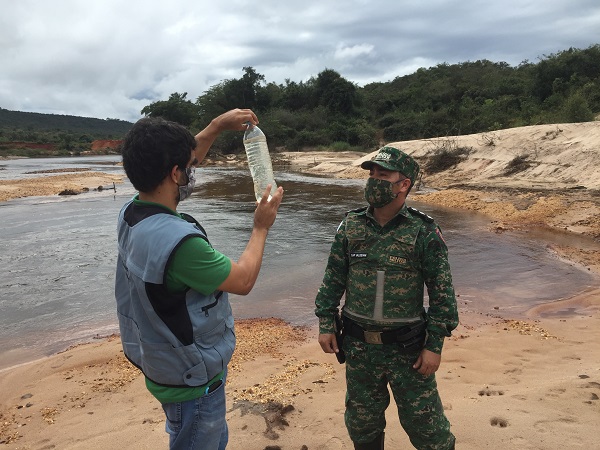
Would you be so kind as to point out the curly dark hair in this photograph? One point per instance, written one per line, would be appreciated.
(152, 148)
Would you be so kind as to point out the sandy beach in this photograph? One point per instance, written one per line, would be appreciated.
(61, 184)
(532, 383)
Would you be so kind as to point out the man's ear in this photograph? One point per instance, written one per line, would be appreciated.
(174, 174)
(405, 187)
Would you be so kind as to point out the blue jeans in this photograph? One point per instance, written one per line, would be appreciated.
(198, 423)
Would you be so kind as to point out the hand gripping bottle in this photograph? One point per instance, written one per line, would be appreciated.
(259, 161)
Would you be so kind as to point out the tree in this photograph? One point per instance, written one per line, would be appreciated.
(335, 92)
(295, 96)
(176, 109)
(246, 92)
(576, 109)
(211, 104)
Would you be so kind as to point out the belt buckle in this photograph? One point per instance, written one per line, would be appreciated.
(373, 337)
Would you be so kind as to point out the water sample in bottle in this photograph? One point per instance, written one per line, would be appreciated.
(259, 161)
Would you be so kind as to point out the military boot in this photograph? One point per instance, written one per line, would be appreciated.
(376, 444)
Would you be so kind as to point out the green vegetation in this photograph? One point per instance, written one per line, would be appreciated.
(36, 135)
(445, 100)
(328, 111)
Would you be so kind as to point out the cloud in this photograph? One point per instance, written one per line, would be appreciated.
(345, 53)
(112, 58)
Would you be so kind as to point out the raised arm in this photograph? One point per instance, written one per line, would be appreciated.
(234, 120)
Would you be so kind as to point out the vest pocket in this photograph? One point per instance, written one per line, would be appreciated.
(360, 291)
(404, 294)
(161, 362)
(221, 335)
(217, 346)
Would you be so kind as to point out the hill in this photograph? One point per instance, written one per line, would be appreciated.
(105, 128)
(538, 157)
(557, 156)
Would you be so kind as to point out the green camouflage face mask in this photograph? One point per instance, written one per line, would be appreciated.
(379, 193)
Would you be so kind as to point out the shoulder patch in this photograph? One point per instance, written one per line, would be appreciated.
(357, 210)
(421, 214)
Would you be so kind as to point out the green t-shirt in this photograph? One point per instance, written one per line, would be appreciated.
(198, 266)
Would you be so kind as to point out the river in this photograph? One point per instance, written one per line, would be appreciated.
(57, 254)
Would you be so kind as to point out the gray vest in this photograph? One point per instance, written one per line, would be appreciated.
(179, 340)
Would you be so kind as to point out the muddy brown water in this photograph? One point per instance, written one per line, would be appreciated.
(57, 255)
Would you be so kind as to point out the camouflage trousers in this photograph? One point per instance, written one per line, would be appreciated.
(369, 370)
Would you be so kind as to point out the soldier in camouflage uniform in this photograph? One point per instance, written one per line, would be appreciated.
(382, 256)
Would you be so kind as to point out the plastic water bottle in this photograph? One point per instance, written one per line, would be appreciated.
(259, 161)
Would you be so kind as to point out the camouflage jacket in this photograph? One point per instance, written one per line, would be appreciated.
(383, 271)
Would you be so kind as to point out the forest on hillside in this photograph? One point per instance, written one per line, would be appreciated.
(330, 112)
(446, 100)
(37, 134)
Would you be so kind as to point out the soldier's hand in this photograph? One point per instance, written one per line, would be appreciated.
(427, 363)
(328, 343)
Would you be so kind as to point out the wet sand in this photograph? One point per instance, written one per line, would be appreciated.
(71, 184)
(530, 384)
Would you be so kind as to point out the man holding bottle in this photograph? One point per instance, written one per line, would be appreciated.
(171, 285)
(381, 258)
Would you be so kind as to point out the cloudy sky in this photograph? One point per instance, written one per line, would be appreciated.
(110, 58)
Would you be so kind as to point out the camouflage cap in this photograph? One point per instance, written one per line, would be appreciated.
(393, 159)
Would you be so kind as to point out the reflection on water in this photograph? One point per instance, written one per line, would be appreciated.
(57, 255)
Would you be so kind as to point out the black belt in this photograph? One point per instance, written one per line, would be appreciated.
(406, 336)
